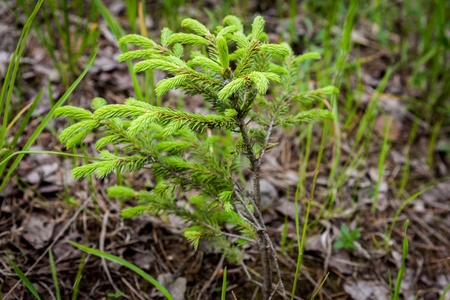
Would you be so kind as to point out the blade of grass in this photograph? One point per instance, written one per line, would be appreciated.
(47, 36)
(45, 121)
(78, 278)
(432, 144)
(149, 75)
(398, 284)
(131, 13)
(141, 12)
(384, 151)
(3, 162)
(19, 114)
(27, 117)
(353, 106)
(19, 132)
(293, 38)
(71, 201)
(224, 284)
(304, 165)
(66, 39)
(49, 43)
(89, 32)
(301, 243)
(11, 73)
(360, 146)
(48, 152)
(54, 274)
(391, 294)
(118, 32)
(32, 193)
(24, 278)
(405, 173)
(344, 50)
(445, 292)
(398, 212)
(318, 290)
(285, 226)
(125, 264)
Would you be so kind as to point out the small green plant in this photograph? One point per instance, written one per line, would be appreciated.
(24, 278)
(200, 155)
(395, 293)
(347, 238)
(98, 253)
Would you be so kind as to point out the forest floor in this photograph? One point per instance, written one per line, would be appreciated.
(43, 207)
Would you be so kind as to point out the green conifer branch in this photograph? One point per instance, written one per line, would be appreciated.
(186, 38)
(165, 35)
(136, 54)
(73, 112)
(196, 26)
(258, 27)
(315, 95)
(246, 61)
(137, 40)
(103, 168)
(223, 52)
(227, 31)
(205, 62)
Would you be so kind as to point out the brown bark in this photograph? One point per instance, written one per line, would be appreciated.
(267, 270)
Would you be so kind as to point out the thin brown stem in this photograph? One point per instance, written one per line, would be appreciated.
(241, 199)
(266, 142)
(277, 267)
(267, 270)
(261, 239)
(249, 277)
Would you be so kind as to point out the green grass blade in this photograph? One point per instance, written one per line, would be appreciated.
(344, 51)
(24, 278)
(400, 209)
(305, 223)
(71, 201)
(45, 121)
(11, 73)
(224, 284)
(27, 117)
(365, 129)
(302, 168)
(125, 264)
(432, 144)
(118, 32)
(47, 152)
(78, 278)
(384, 151)
(445, 292)
(54, 274)
(405, 173)
(19, 132)
(131, 6)
(318, 290)
(66, 38)
(292, 14)
(398, 284)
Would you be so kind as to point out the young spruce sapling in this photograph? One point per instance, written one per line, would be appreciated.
(173, 144)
